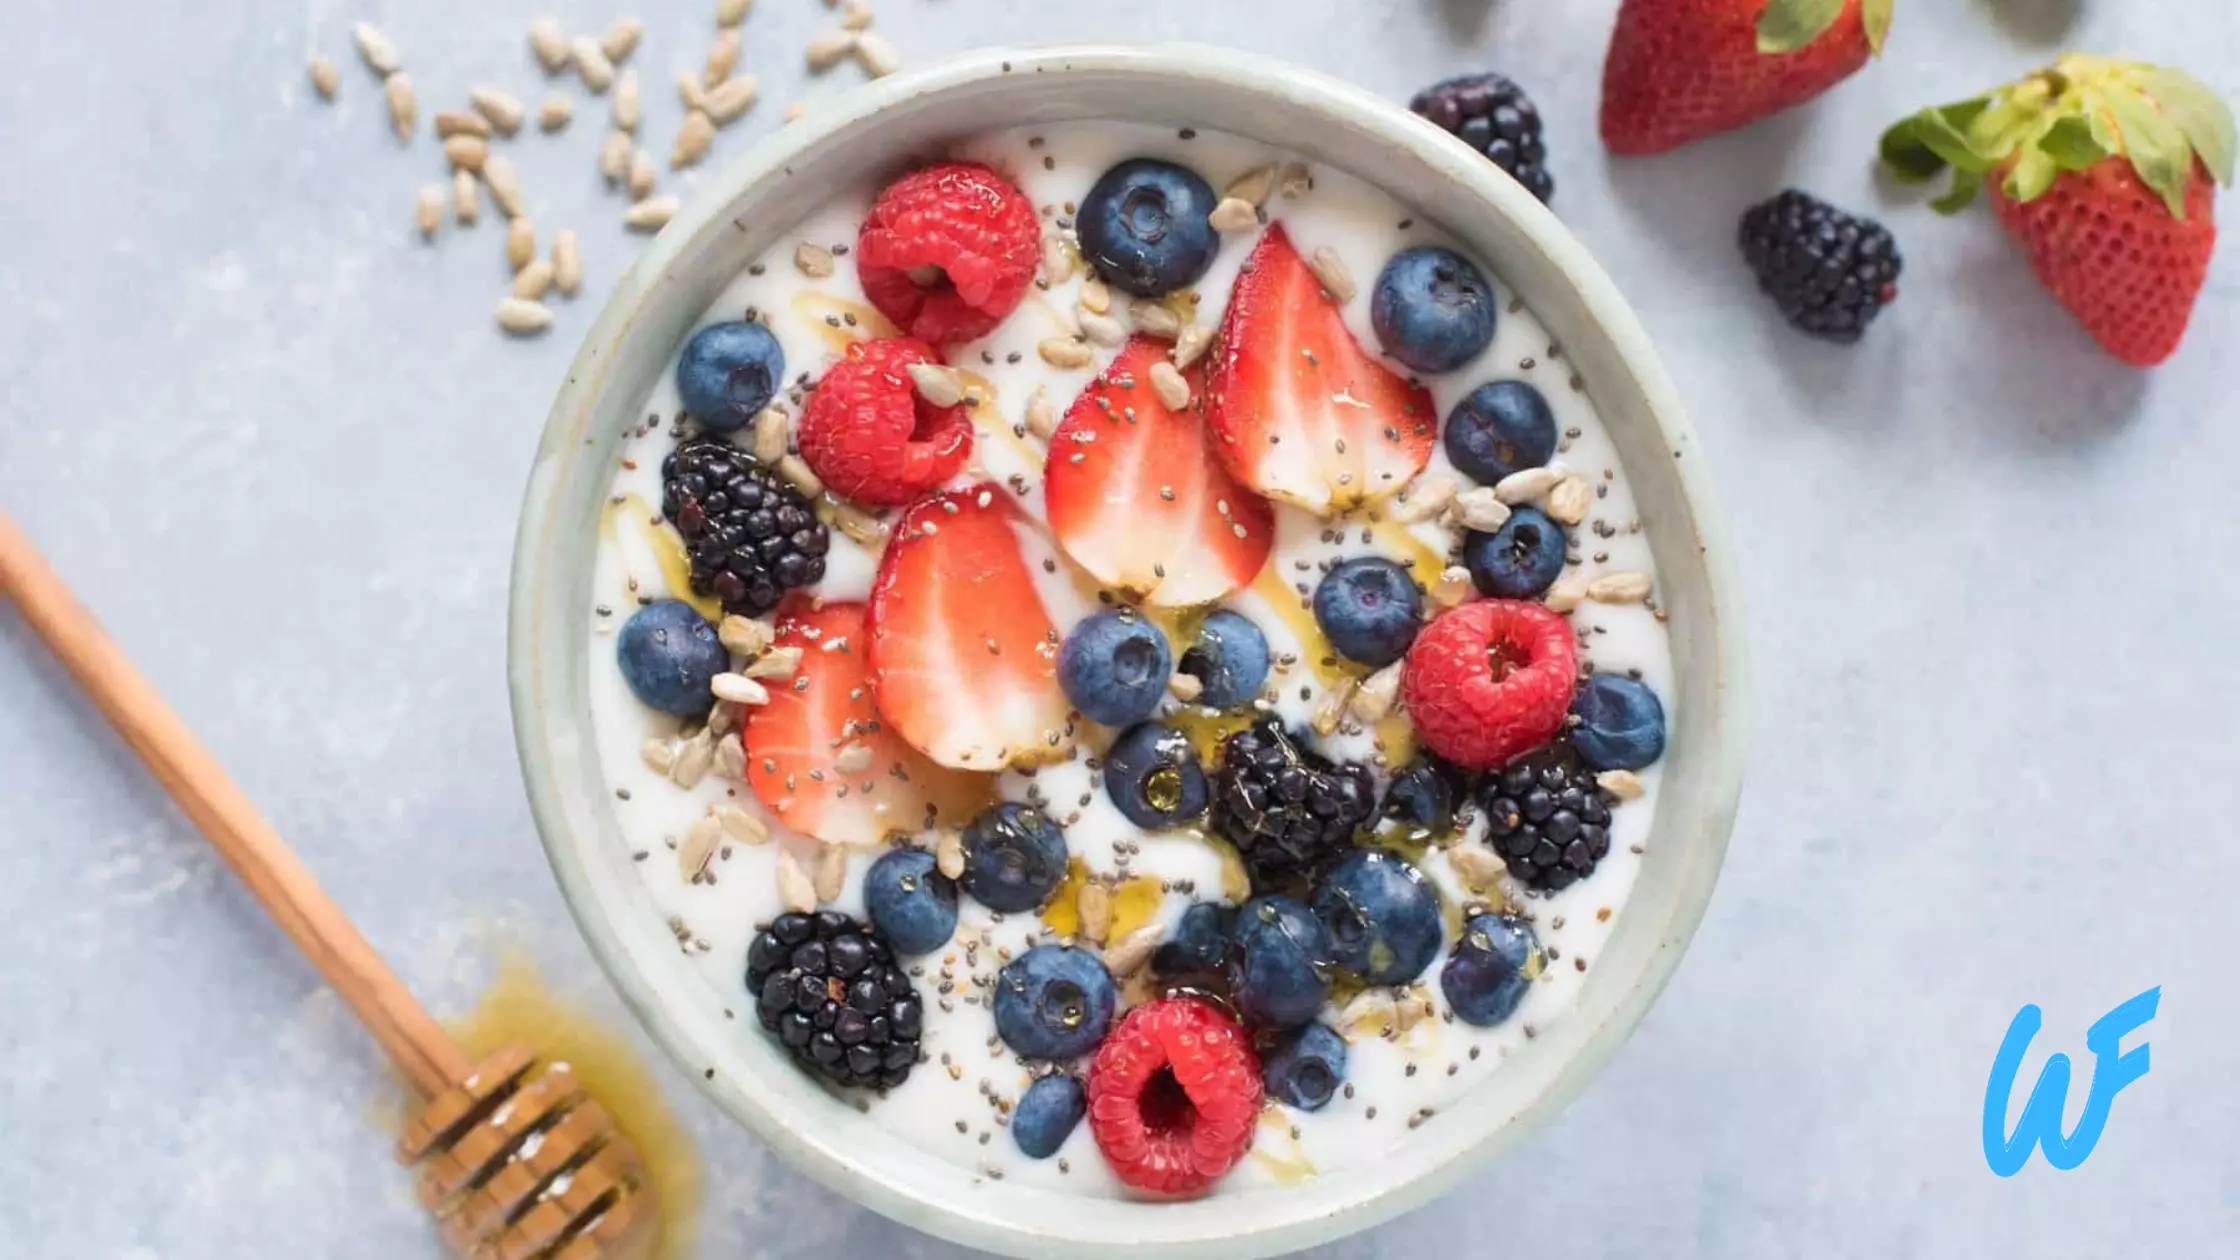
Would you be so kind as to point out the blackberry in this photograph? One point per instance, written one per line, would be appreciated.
(1830, 272)
(1491, 114)
(750, 536)
(1547, 817)
(1288, 810)
(827, 986)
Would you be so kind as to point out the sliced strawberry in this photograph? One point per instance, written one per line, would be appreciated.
(1297, 409)
(818, 755)
(1135, 496)
(963, 655)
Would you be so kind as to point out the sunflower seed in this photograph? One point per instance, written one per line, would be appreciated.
(832, 872)
(325, 77)
(698, 848)
(1567, 594)
(1478, 867)
(1167, 383)
(855, 15)
(1428, 496)
(692, 141)
(731, 98)
(1619, 588)
(723, 58)
(1042, 414)
(798, 474)
(1623, 784)
(938, 385)
(461, 122)
(642, 172)
(1102, 329)
(522, 318)
(797, 890)
(1331, 270)
(1057, 260)
(730, 13)
(1526, 485)
(690, 91)
(505, 186)
(1369, 1015)
(404, 104)
(626, 105)
(1253, 186)
(1233, 214)
(739, 689)
(1569, 500)
(853, 758)
(1452, 586)
(533, 281)
(1481, 509)
(1185, 687)
(1154, 319)
(741, 825)
(1093, 904)
(466, 198)
(863, 527)
(567, 262)
(1063, 352)
(1373, 699)
(621, 39)
(658, 754)
(428, 211)
(521, 243)
(827, 51)
(1296, 181)
(731, 759)
(650, 215)
(592, 65)
(380, 55)
(769, 436)
(1096, 295)
(549, 44)
(1191, 343)
(878, 54)
(777, 662)
(813, 261)
(948, 853)
(466, 153)
(1331, 709)
(502, 108)
(555, 114)
(743, 636)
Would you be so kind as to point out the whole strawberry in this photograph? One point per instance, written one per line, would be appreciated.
(1680, 70)
(2103, 170)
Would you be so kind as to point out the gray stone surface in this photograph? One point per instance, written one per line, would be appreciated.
(277, 443)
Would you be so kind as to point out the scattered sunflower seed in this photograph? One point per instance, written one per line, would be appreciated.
(1478, 867)
(698, 849)
(800, 476)
(1295, 182)
(730, 13)
(380, 55)
(1131, 952)
(651, 214)
(1184, 687)
(1154, 319)
(797, 890)
(1102, 329)
(832, 872)
(878, 54)
(691, 91)
(1096, 295)
(723, 58)
(1093, 905)
(1526, 485)
(1480, 508)
(556, 113)
(739, 689)
(1426, 498)
(505, 185)
(325, 78)
(502, 108)
(1253, 186)
(549, 44)
(591, 63)
(813, 261)
(1233, 214)
(1167, 383)
(1042, 414)
(693, 139)
(770, 436)
(730, 98)
(1331, 709)
(1191, 344)
(1057, 260)
(658, 754)
(948, 852)
(404, 104)
(1568, 593)
(741, 825)
(521, 243)
(694, 758)
(567, 262)
(938, 385)
(466, 153)
(534, 280)
(1063, 352)
(1373, 699)
(642, 172)
(428, 213)
(1619, 588)
(1452, 586)
(1569, 499)
(1369, 1015)
(777, 662)
(1623, 784)
(827, 51)
(731, 759)
(621, 39)
(461, 122)
(855, 15)
(1331, 270)
(743, 636)
(523, 318)
(466, 198)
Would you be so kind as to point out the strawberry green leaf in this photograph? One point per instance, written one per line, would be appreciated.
(2200, 113)
(1944, 132)
(2033, 172)
(1965, 185)
(2071, 144)
(1874, 15)
(1787, 25)
(2158, 150)
(1909, 159)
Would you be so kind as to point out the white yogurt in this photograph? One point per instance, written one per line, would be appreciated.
(954, 1102)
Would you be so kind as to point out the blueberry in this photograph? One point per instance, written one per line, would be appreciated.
(669, 654)
(729, 373)
(1621, 723)
(1382, 916)
(1143, 224)
(1518, 560)
(1500, 428)
(1054, 1002)
(1369, 609)
(1153, 776)
(1230, 659)
(913, 905)
(1306, 1070)
(1432, 309)
(1493, 965)
(1421, 799)
(1283, 962)
(1114, 667)
(1014, 858)
(1047, 1113)
(1198, 945)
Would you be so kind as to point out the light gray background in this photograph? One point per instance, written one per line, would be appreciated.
(276, 442)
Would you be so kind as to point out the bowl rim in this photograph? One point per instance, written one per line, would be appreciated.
(540, 735)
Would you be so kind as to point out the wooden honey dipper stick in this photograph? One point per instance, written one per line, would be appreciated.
(517, 1163)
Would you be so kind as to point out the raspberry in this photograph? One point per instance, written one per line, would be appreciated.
(871, 437)
(948, 251)
(1174, 1096)
(1489, 680)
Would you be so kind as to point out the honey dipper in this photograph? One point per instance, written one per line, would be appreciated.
(516, 1162)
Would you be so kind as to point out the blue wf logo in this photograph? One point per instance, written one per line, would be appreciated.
(2112, 1068)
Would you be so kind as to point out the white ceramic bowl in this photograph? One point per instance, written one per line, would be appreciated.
(754, 201)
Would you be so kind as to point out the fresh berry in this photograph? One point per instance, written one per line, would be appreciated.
(1136, 497)
(1830, 272)
(948, 251)
(961, 659)
(1143, 225)
(1548, 818)
(1432, 308)
(1680, 70)
(1621, 723)
(668, 654)
(816, 722)
(1174, 1096)
(1282, 964)
(1297, 409)
(1198, 945)
(1048, 1113)
(1382, 915)
(1489, 680)
(1014, 858)
(1421, 799)
(870, 436)
(1288, 810)
(912, 904)
(1307, 1068)
(1519, 560)
(1491, 114)
(828, 988)
(1369, 609)
(1152, 774)
(749, 535)
(729, 372)
(1054, 1002)
(1492, 968)
(1499, 428)
(1114, 667)
(1229, 658)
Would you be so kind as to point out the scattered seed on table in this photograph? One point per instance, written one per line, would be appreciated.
(521, 317)
(693, 139)
(521, 243)
(556, 112)
(549, 44)
(466, 153)
(461, 122)
(404, 105)
(723, 58)
(380, 55)
(730, 13)
(466, 198)
(429, 212)
(826, 51)
(651, 214)
(532, 281)
(325, 77)
(731, 98)
(626, 104)
(505, 185)
(621, 39)
(567, 262)
(592, 65)
(641, 174)
(878, 54)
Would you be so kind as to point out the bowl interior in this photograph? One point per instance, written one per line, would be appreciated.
(756, 201)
